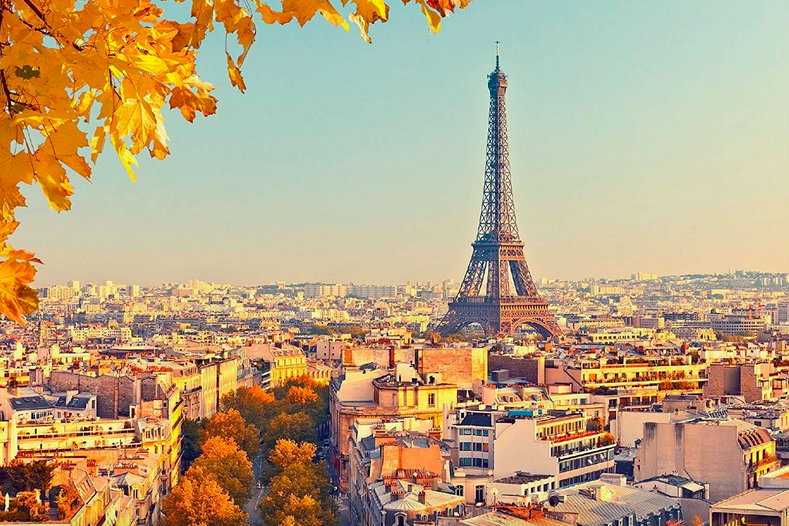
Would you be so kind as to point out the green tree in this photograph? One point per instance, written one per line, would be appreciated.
(228, 465)
(20, 476)
(231, 425)
(190, 444)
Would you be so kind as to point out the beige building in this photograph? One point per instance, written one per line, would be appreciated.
(730, 455)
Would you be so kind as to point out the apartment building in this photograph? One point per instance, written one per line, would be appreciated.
(369, 392)
(663, 373)
(392, 455)
(564, 447)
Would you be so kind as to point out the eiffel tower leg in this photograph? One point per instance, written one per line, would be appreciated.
(472, 281)
(524, 283)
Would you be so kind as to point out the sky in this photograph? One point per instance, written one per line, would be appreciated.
(644, 137)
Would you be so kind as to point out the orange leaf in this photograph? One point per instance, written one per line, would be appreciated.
(235, 75)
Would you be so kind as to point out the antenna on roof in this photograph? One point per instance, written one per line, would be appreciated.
(497, 54)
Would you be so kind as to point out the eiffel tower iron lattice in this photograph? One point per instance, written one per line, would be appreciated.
(509, 298)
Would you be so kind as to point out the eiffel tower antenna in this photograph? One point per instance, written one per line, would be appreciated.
(509, 299)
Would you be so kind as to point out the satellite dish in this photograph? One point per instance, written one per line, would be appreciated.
(553, 500)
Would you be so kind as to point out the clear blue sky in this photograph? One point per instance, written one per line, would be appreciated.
(645, 136)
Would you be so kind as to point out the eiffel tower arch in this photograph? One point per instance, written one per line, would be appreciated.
(509, 298)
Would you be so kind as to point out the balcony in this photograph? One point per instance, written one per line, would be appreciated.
(586, 457)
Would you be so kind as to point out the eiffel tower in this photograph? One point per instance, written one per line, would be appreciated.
(509, 299)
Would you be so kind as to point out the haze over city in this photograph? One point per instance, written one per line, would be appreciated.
(644, 137)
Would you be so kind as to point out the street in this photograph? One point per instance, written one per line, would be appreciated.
(252, 506)
(258, 494)
(345, 515)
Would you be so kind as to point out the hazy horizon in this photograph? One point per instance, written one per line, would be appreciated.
(356, 282)
(643, 137)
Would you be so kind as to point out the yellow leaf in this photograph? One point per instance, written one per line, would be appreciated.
(6, 229)
(10, 199)
(270, 16)
(235, 75)
(148, 62)
(203, 12)
(368, 12)
(189, 101)
(433, 18)
(303, 11)
(17, 299)
(77, 163)
(52, 179)
(86, 103)
(97, 142)
(160, 150)
(127, 159)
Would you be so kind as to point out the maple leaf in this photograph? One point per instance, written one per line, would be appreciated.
(368, 12)
(17, 298)
(235, 74)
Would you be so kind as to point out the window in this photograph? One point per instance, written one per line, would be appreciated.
(465, 446)
(484, 462)
(477, 446)
(459, 491)
(479, 494)
(477, 462)
(465, 431)
(485, 446)
(465, 462)
(431, 399)
(484, 432)
(478, 432)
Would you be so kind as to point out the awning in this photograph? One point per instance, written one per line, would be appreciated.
(693, 487)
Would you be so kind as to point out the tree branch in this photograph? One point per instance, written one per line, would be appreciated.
(6, 92)
(40, 15)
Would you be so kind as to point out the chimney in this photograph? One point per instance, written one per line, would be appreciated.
(391, 357)
(422, 497)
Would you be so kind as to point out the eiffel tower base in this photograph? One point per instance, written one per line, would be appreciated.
(496, 318)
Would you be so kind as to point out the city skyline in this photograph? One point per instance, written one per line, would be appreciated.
(632, 150)
(415, 282)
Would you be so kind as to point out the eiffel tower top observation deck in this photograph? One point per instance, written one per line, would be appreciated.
(508, 298)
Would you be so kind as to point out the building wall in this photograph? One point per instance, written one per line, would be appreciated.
(209, 403)
(512, 440)
(707, 452)
(530, 369)
(114, 394)
(750, 387)
(629, 425)
(460, 366)
(723, 379)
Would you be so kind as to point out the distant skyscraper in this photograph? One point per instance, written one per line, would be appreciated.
(509, 298)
